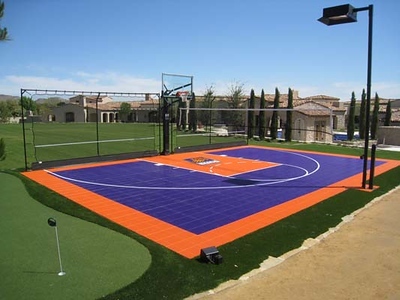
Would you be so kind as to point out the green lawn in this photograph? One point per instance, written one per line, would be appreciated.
(79, 139)
(171, 276)
(97, 260)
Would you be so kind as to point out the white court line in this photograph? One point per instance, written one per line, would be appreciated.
(263, 182)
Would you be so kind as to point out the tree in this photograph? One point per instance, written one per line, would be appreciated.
(250, 116)
(124, 111)
(205, 116)
(4, 112)
(351, 119)
(3, 31)
(289, 115)
(375, 117)
(261, 118)
(361, 127)
(274, 119)
(29, 105)
(14, 108)
(8, 109)
(2, 150)
(44, 110)
(388, 115)
(193, 114)
(235, 96)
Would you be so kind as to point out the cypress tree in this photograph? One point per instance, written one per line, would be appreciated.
(261, 118)
(250, 116)
(2, 149)
(388, 115)
(289, 115)
(193, 114)
(3, 31)
(362, 116)
(375, 118)
(274, 120)
(351, 119)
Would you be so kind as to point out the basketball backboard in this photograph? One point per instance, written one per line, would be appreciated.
(175, 83)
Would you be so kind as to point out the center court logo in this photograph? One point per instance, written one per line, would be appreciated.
(202, 161)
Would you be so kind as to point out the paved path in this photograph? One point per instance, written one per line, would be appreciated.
(359, 261)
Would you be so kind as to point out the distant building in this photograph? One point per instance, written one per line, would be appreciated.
(86, 109)
(395, 105)
(314, 118)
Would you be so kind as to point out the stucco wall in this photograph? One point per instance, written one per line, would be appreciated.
(341, 122)
(61, 111)
(389, 135)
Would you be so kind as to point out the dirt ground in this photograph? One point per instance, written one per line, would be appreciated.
(361, 260)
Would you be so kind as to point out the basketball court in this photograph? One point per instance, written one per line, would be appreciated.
(194, 200)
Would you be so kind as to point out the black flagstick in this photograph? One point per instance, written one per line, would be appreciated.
(52, 222)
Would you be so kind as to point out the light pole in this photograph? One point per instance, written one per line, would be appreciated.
(347, 14)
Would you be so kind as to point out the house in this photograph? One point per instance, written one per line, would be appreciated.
(82, 108)
(385, 134)
(314, 117)
(312, 121)
(395, 105)
(334, 104)
(389, 135)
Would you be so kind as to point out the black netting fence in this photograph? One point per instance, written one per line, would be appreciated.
(84, 126)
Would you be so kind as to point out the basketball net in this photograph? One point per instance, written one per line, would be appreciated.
(184, 96)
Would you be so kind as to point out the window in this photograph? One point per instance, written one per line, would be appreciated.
(69, 117)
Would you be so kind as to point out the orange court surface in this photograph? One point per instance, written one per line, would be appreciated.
(194, 200)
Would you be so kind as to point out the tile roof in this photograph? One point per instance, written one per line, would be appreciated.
(311, 108)
(322, 97)
(115, 105)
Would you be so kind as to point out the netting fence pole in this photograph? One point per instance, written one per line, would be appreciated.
(23, 130)
(97, 124)
(209, 127)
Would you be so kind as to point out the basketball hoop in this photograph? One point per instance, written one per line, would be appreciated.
(183, 94)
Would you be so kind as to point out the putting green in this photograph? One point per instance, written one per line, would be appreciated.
(97, 261)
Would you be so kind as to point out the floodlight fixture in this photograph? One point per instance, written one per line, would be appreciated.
(339, 15)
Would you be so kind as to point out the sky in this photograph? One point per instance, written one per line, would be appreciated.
(125, 46)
